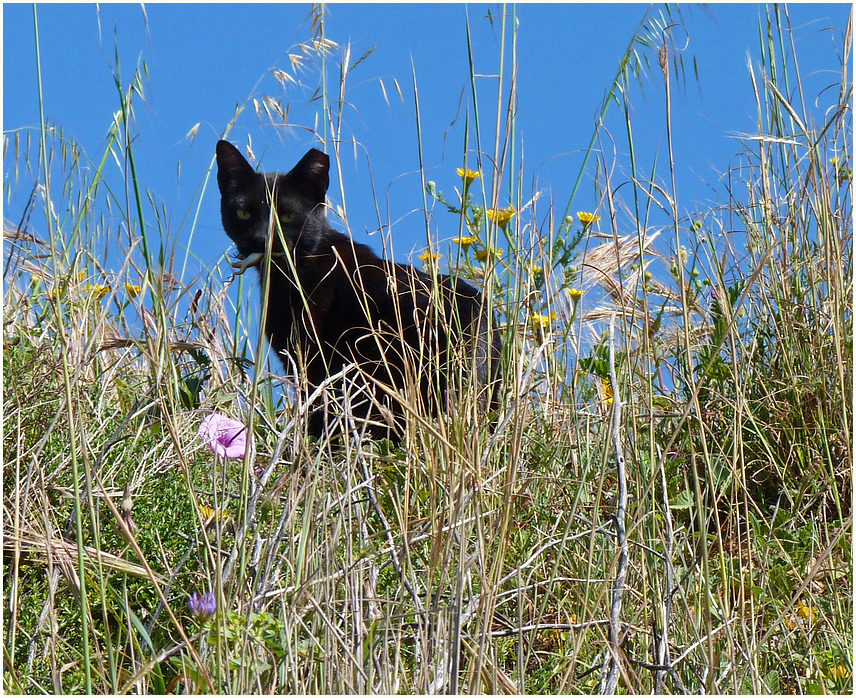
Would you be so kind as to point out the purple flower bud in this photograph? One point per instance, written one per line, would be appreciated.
(225, 436)
(204, 606)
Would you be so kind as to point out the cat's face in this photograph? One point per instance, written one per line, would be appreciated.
(249, 198)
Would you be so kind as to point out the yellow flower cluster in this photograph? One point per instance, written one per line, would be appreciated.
(802, 614)
(97, 290)
(838, 673)
(501, 216)
(543, 322)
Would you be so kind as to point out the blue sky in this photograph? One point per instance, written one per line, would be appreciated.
(203, 60)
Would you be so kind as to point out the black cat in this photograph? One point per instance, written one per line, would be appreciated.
(333, 302)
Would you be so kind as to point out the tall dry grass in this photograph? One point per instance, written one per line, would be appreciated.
(662, 502)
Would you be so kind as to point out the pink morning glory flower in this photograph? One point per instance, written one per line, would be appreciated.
(223, 435)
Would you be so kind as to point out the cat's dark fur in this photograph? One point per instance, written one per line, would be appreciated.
(333, 302)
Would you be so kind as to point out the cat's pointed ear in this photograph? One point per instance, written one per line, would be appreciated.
(232, 167)
(313, 171)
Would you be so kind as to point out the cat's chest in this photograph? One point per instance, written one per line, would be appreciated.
(327, 297)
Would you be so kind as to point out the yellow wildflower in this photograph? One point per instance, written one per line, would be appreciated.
(838, 673)
(835, 161)
(465, 241)
(575, 295)
(132, 290)
(607, 393)
(543, 322)
(211, 515)
(501, 216)
(483, 255)
(534, 269)
(809, 613)
(468, 175)
(54, 294)
(587, 218)
(429, 257)
(98, 290)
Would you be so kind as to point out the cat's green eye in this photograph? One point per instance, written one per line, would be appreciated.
(287, 217)
(243, 214)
